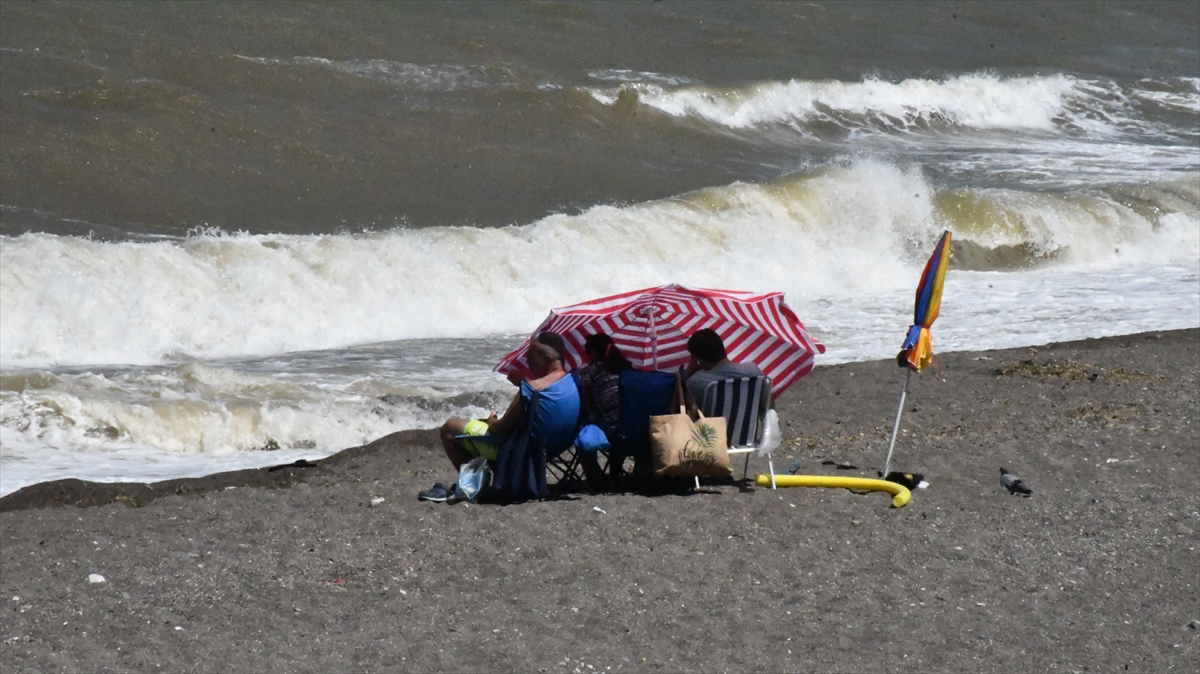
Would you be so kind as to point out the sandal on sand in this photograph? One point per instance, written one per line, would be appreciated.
(438, 493)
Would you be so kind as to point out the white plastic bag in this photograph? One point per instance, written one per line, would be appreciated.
(771, 436)
(474, 477)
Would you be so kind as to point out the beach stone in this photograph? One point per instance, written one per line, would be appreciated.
(96, 578)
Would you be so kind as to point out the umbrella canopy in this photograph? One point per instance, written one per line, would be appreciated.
(651, 327)
(918, 345)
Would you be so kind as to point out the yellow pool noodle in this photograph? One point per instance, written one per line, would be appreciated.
(899, 492)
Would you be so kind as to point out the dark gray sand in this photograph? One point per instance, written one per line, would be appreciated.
(296, 571)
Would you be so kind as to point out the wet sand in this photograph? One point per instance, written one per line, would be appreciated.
(296, 570)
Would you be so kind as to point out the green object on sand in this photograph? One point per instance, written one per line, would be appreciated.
(485, 446)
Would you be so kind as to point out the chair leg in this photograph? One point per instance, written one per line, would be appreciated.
(746, 466)
(771, 467)
(564, 471)
(593, 475)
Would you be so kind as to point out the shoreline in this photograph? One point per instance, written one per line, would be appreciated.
(1096, 570)
(86, 493)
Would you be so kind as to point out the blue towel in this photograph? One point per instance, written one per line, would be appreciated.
(591, 439)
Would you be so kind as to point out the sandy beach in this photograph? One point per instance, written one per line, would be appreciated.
(297, 569)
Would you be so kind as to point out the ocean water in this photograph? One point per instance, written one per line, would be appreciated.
(236, 235)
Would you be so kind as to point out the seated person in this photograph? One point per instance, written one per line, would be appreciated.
(710, 363)
(599, 396)
(522, 446)
(599, 382)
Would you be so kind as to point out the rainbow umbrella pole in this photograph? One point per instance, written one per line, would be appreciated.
(917, 352)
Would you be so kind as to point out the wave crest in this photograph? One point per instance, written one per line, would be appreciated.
(842, 230)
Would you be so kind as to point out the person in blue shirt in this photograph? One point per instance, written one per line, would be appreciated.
(542, 416)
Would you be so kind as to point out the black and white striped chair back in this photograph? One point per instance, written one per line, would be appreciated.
(742, 402)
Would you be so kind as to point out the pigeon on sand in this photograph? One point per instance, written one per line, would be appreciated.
(1014, 484)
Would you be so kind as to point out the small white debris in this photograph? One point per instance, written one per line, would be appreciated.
(922, 485)
(596, 509)
(1111, 460)
(16, 597)
(377, 500)
(178, 628)
(95, 578)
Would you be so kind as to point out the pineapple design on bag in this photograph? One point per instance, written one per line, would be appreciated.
(698, 451)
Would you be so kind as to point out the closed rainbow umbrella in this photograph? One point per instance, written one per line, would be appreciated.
(917, 352)
(918, 346)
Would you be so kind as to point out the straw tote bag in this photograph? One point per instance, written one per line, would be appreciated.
(686, 448)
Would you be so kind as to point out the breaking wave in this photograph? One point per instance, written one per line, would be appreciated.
(975, 101)
(842, 230)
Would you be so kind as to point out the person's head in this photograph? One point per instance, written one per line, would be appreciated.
(706, 347)
(599, 348)
(546, 350)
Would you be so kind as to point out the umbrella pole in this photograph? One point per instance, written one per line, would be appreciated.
(888, 463)
(654, 343)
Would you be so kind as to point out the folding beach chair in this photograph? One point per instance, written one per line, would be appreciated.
(744, 403)
(643, 394)
(562, 461)
(565, 468)
(543, 437)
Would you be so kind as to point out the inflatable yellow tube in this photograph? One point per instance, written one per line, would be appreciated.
(900, 493)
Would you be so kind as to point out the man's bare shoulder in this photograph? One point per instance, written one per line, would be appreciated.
(542, 382)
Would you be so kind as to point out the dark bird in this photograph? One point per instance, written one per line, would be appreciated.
(1014, 484)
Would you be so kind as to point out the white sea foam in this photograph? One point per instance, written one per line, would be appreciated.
(1182, 95)
(194, 419)
(979, 102)
(845, 243)
(1048, 132)
(839, 232)
(148, 423)
(974, 101)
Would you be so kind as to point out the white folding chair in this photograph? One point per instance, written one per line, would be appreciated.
(744, 403)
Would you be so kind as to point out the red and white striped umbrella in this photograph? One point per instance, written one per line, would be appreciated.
(652, 326)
